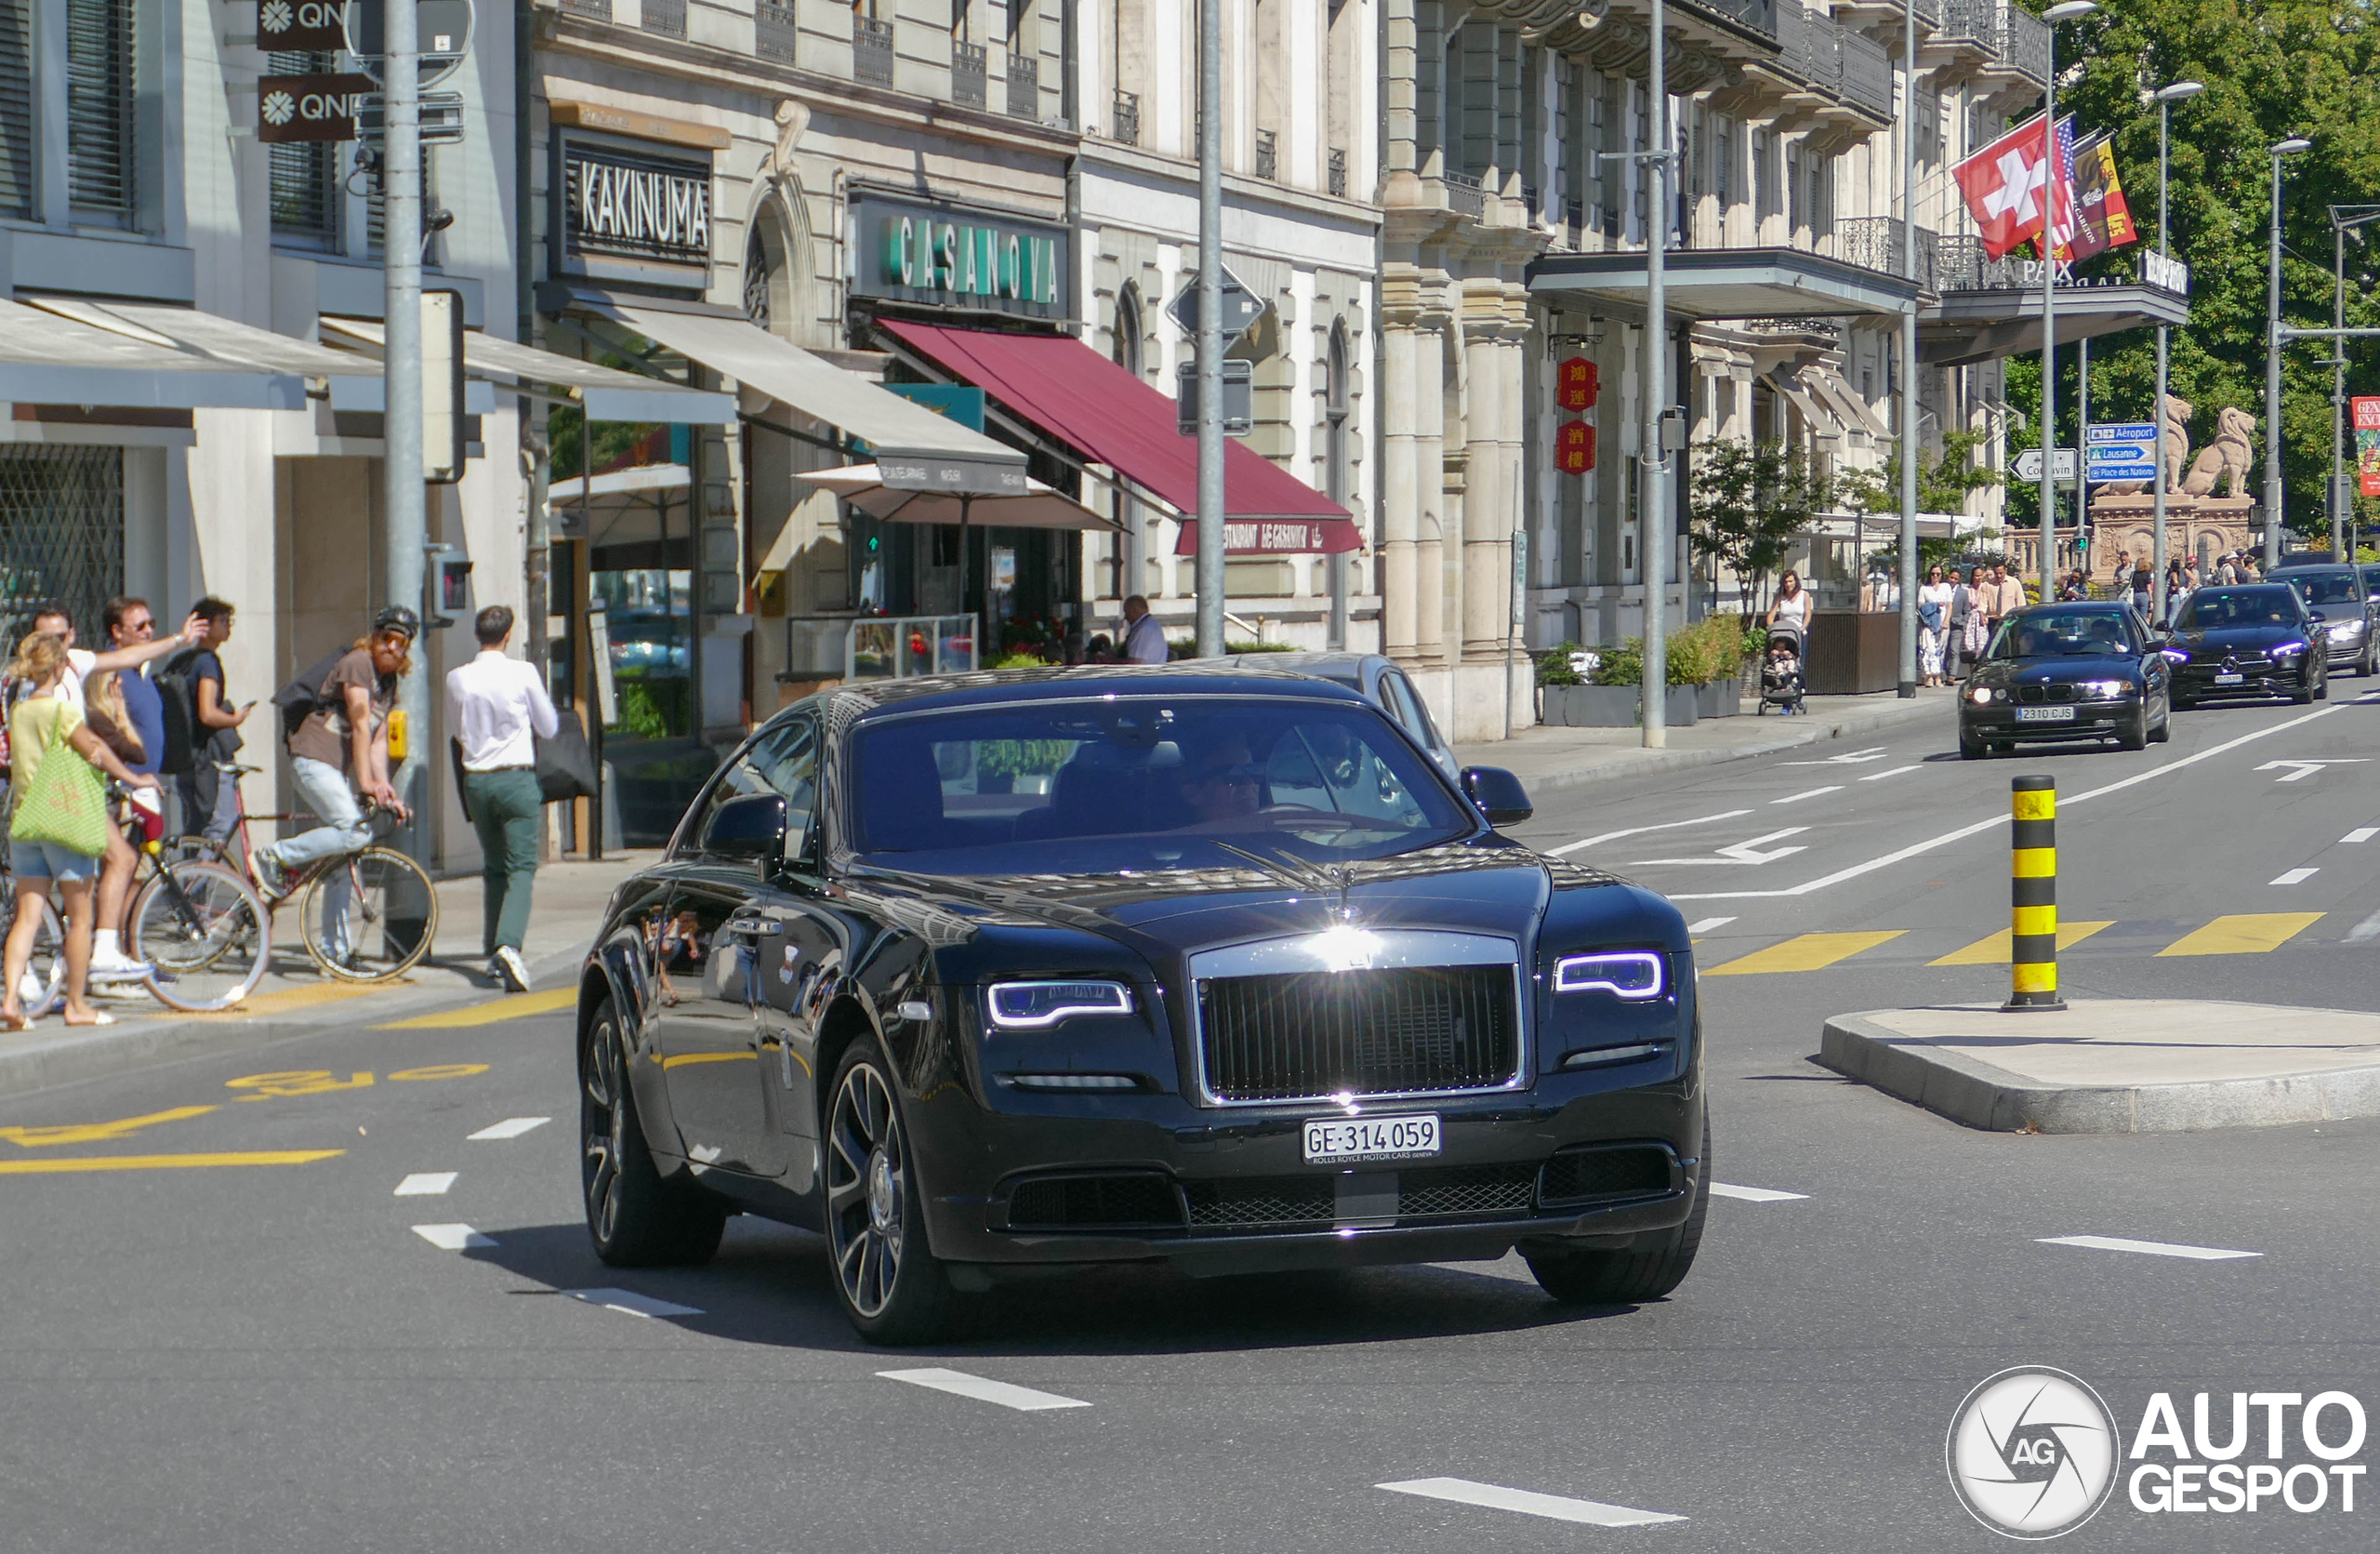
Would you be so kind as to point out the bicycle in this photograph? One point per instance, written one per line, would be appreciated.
(205, 932)
(383, 889)
(46, 966)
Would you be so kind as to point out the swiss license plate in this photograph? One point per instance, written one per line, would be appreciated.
(2224, 679)
(1342, 1138)
(2044, 714)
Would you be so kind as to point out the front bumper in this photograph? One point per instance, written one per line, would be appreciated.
(1240, 1197)
(2093, 720)
(2344, 652)
(2197, 680)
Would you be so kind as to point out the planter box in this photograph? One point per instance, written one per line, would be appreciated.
(1616, 705)
(1720, 698)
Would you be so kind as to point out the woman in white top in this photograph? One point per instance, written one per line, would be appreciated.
(1933, 626)
(1793, 603)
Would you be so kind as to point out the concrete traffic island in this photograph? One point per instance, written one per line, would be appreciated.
(2116, 1066)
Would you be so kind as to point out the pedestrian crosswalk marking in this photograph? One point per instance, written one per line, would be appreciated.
(2243, 934)
(1992, 949)
(1805, 952)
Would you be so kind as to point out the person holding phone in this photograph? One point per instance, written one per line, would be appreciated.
(211, 790)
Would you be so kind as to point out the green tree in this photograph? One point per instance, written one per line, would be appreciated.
(1943, 480)
(1750, 501)
(2272, 69)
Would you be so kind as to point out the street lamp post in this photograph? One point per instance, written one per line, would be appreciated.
(1655, 479)
(2345, 219)
(2166, 98)
(2290, 147)
(1908, 352)
(2052, 175)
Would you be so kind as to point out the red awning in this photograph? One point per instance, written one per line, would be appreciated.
(1081, 397)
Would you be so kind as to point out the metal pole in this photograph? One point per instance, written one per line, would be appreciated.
(2051, 181)
(1654, 466)
(2157, 602)
(2338, 393)
(2273, 380)
(1909, 447)
(2081, 435)
(1211, 329)
(402, 467)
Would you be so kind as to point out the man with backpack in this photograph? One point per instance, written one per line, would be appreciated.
(337, 719)
(202, 727)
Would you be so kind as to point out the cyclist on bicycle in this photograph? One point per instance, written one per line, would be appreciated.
(341, 752)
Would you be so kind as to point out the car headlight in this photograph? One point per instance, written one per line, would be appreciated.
(2346, 629)
(1634, 974)
(1982, 695)
(2105, 690)
(2289, 650)
(1041, 1004)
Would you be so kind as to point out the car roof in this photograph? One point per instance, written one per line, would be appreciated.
(1346, 668)
(2220, 589)
(2070, 606)
(1004, 687)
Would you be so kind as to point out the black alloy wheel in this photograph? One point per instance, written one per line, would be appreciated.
(892, 1286)
(2164, 729)
(637, 1217)
(2313, 684)
(1971, 748)
(2137, 737)
(1656, 1264)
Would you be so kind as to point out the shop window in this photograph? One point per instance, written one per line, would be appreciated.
(16, 164)
(61, 533)
(98, 106)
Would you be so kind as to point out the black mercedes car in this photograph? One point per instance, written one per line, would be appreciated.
(2350, 624)
(2249, 640)
(1207, 966)
(2066, 673)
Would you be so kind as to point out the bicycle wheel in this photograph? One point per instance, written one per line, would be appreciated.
(369, 918)
(207, 934)
(45, 969)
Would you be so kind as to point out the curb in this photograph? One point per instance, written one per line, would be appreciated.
(71, 1057)
(1981, 1095)
(1797, 733)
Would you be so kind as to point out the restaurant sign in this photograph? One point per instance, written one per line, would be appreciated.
(632, 216)
(918, 251)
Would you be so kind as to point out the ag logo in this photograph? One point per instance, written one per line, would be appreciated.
(279, 108)
(2032, 1453)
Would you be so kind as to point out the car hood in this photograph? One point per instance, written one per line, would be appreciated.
(981, 924)
(2062, 669)
(2234, 639)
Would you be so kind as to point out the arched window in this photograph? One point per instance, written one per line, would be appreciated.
(1126, 349)
(761, 277)
(1334, 417)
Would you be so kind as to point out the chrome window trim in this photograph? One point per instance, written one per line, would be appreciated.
(1393, 948)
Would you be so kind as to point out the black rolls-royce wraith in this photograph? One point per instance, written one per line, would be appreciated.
(1129, 964)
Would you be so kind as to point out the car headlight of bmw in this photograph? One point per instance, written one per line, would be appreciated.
(1637, 975)
(1040, 1004)
(1981, 696)
(2104, 690)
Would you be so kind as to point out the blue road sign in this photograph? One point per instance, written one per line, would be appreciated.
(2120, 450)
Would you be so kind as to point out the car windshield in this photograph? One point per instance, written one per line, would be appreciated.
(1132, 783)
(2340, 586)
(2212, 609)
(2059, 633)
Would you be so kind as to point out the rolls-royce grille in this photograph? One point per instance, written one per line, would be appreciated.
(1313, 1034)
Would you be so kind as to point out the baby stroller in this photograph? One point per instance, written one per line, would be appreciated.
(1781, 669)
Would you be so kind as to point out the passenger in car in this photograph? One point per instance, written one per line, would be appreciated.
(1223, 782)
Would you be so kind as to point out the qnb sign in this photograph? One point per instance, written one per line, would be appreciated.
(954, 258)
(638, 211)
(309, 107)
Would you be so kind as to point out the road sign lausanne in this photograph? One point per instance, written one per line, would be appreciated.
(1239, 309)
(2121, 450)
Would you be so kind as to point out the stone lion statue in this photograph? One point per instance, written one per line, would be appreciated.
(2224, 460)
(2176, 451)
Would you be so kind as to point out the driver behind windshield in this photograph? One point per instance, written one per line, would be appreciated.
(1223, 782)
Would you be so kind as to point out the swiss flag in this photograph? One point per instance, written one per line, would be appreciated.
(2006, 185)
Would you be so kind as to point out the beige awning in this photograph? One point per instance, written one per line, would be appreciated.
(605, 394)
(47, 358)
(1037, 507)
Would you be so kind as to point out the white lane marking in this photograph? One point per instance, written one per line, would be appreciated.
(1796, 798)
(2150, 1248)
(511, 1127)
(1896, 771)
(1741, 852)
(2295, 876)
(633, 1303)
(425, 1184)
(2361, 834)
(2364, 932)
(1917, 849)
(1639, 831)
(959, 1383)
(1853, 758)
(1561, 1507)
(2300, 770)
(453, 1238)
(1708, 923)
(1754, 1194)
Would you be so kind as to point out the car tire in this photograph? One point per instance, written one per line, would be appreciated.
(2369, 665)
(891, 1285)
(1972, 750)
(636, 1216)
(2137, 737)
(1643, 1273)
(2164, 730)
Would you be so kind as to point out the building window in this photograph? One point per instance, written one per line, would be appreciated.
(99, 105)
(1126, 348)
(304, 182)
(1336, 476)
(61, 531)
(759, 279)
(16, 178)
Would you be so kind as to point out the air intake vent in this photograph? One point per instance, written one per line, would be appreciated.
(1140, 1199)
(1631, 1171)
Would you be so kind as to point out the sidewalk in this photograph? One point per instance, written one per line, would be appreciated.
(295, 999)
(1551, 758)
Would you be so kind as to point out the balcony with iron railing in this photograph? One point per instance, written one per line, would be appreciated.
(871, 50)
(1268, 155)
(971, 74)
(1023, 86)
(666, 17)
(1124, 118)
(774, 30)
(593, 10)
(1466, 195)
(1338, 173)
(1881, 243)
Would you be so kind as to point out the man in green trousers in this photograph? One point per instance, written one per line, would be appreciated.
(495, 704)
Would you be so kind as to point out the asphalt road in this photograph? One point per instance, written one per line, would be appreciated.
(282, 1353)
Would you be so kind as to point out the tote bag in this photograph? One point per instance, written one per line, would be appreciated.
(66, 803)
(565, 766)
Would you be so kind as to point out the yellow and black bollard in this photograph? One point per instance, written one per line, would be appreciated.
(2032, 896)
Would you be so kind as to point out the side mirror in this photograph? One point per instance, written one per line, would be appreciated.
(2317, 616)
(749, 828)
(1499, 795)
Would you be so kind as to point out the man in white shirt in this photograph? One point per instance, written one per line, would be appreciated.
(495, 704)
(1144, 638)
